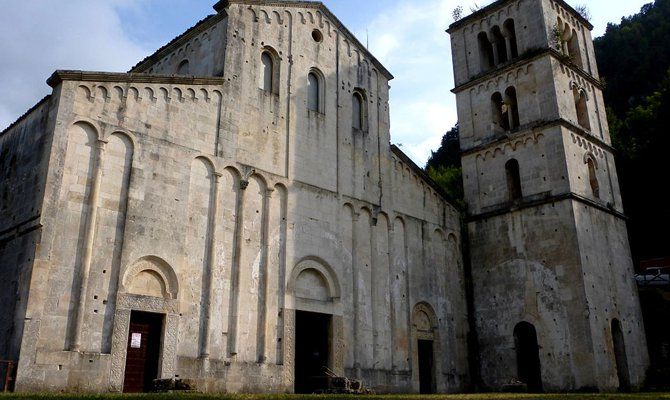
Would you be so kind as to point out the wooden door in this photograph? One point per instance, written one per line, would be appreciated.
(143, 350)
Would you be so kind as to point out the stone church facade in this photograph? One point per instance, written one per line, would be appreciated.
(231, 212)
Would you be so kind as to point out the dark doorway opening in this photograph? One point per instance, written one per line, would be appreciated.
(143, 351)
(620, 356)
(312, 345)
(528, 356)
(426, 367)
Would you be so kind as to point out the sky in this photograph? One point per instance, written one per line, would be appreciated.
(38, 37)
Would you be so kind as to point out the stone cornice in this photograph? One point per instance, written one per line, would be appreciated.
(523, 204)
(524, 59)
(495, 6)
(93, 76)
(534, 128)
(222, 5)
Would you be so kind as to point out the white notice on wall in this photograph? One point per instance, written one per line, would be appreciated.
(136, 340)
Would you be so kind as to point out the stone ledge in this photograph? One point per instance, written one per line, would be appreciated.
(533, 201)
(95, 76)
(531, 128)
(529, 56)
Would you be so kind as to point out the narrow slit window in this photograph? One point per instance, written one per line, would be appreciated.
(512, 107)
(582, 109)
(574, 49)
(267, 80)
(313, 92)
(499, 112)
(512, 46)
(500, 46)
(486, 60)
(357, 112)
(593, 178)
(513, 180)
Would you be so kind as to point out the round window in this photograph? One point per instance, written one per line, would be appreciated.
(317, 36)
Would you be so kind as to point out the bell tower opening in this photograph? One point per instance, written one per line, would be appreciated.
(528, 356)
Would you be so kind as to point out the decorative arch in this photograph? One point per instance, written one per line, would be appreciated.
(128, 301)
(424, 321)
(127, 137)
(321, 268)
(157, 268)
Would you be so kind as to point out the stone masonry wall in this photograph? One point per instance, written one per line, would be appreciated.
(23, 161)
(227, 209)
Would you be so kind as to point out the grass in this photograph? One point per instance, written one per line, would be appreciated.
(486, 396)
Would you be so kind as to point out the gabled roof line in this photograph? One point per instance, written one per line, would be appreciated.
(223, 5)
(200, 26)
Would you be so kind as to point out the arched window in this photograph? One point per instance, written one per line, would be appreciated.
(593, 177)
(486, 60)
(268, 73)
(510, 35)
(581, 107)
(499, 111)
(512, 107)
(499, 46)
(513, 180)
(313, 92)
(574, 49)
(183, 68)
(358, 111)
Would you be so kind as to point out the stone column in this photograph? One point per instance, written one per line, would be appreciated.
(87, 246)
(211, 263)
(235, 271)
(263, 279)
(358, 347)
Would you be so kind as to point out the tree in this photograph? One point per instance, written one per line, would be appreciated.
(444, 166)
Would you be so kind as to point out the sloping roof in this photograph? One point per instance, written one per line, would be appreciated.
(500, 3)
(195, 29)
(422, 173)
(223, 4)
(25, 115)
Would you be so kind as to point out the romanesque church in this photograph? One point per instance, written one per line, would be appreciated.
(231, 213)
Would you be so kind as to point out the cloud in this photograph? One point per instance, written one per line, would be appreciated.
(40, 36)
(410, 40)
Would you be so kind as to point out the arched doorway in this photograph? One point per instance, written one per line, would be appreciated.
(146, 319)
(620, 356)
(314, 295)
(424, 325)
(529, 370)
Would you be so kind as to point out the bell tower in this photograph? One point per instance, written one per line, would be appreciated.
(555, 302)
